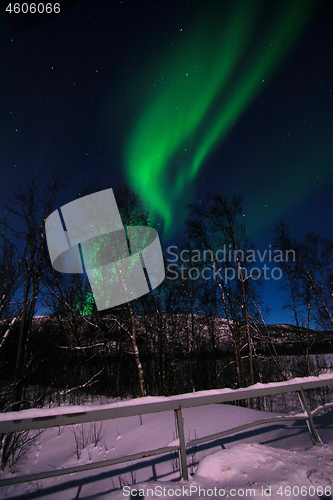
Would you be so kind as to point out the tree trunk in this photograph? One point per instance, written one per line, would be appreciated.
(136, 351)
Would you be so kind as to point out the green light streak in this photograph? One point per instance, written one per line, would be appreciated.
(208, 80)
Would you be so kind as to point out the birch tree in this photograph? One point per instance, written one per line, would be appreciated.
(216, 225)
(28, 209)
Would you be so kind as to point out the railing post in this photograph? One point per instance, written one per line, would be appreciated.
(309, 422)
(182, 445)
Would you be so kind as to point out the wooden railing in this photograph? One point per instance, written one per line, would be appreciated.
(25, 420)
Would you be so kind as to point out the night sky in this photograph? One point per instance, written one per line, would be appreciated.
(176, 98)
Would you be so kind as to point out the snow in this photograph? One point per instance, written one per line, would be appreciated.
(269, 460)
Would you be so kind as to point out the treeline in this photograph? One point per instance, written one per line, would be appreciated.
(165, 342)
(92, 355)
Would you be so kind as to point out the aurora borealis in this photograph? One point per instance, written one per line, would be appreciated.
(209, 78)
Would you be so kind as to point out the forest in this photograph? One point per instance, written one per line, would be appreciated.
(204, 327)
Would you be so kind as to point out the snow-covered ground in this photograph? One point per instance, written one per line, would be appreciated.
(275, 460)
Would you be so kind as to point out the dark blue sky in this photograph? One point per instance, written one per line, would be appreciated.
(65, 86)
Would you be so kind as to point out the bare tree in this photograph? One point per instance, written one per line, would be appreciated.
(308, 276)
(216, 225)
(9, 276)
(28, 208)
(10, 280)
(74, 296)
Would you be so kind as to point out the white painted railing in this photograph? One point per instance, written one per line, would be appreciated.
(55, 417)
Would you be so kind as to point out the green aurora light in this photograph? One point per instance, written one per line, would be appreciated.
(208, 78)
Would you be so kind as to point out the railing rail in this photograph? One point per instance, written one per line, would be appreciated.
(40, 418)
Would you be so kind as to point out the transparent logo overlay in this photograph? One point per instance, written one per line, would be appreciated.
(226, 264)
(122, 263)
